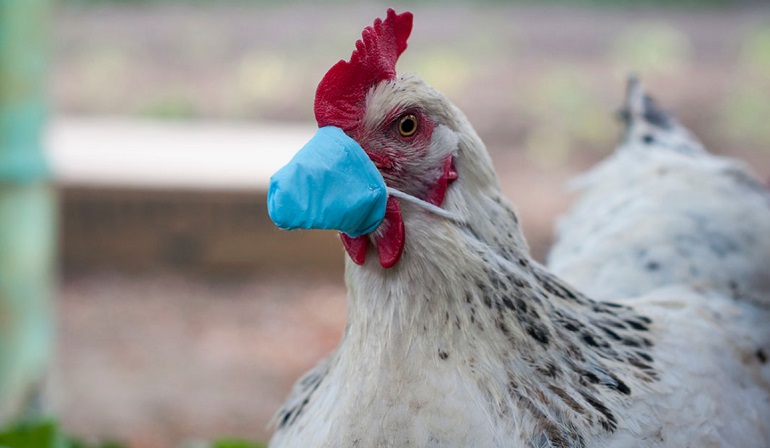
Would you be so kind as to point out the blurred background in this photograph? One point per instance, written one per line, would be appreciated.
(182, 314)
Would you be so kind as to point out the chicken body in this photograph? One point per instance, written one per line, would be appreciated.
(663, 211)
(466, 341)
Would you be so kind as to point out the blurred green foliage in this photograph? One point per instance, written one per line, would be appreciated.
(755, 51)
(566, 113)
(444, 69)
(46, 434)
(43, 434)
(651, 49)
(236, 443)
(747, 108)
(173, 106)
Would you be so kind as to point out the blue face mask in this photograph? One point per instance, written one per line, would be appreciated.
(332, 184)
(329, 184)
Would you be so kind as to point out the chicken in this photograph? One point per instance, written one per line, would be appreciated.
(456, 337)
(663, 211)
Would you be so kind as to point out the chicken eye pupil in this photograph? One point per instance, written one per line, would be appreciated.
(407, 125)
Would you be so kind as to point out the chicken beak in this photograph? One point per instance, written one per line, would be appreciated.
(330, 183)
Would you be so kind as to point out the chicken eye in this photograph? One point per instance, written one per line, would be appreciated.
(407, 125)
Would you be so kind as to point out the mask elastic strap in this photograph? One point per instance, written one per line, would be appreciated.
(426, 205)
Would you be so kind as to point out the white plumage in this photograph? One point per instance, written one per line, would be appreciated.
(661, 210)
(687, 230)
(466, 341)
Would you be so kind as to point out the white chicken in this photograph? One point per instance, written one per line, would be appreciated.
(457, 338)
(663, 211)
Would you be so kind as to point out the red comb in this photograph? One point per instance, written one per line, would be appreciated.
(340, 97)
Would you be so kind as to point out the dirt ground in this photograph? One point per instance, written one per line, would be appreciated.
(159, 359)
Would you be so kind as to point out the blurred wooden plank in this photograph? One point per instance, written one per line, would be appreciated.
(131, 153)
(143, 195)
(212, 233)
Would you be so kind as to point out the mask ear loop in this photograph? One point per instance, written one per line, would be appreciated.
(426, 205)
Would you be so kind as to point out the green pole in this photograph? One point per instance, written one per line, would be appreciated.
(27, 209)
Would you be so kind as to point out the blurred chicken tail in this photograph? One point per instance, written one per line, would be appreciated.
(640, 107)
(649, 125)
(662, 211)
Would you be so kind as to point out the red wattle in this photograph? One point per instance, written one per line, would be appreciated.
(356, 247)
(391, 237)
(436, 195)
(389, 240)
